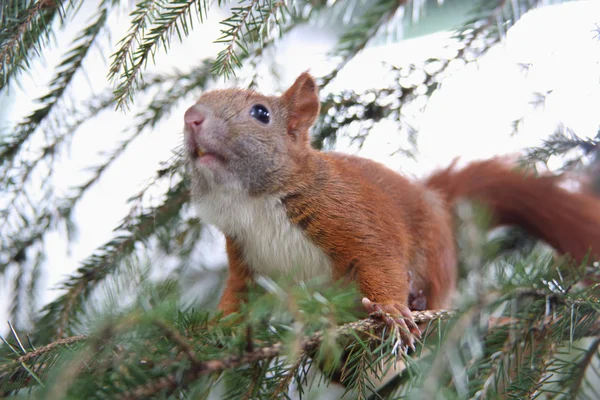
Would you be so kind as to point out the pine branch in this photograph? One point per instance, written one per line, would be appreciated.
(35, 359)
(33, 290)
(32, 355)
(179, 86)
(91, 108)
(176, 88)
(60, 314)
(539, 374)
(20, 348)
(142, 17)
(516, 351)
(561, 143)
(179, 340)
(488, 26)
(72, 62)
(356, 39)
(356, 371)
(528, 346)
(284, 384)
(24, 30)
(21, 238)
(185, 375)
(160, 106)
(172, 88)
(68, 67)
(13, 310)
(480, 28)
(583, 365)
(14, 250)
(19, 375)
(308, 345)
(154, 23)
(339, 111)
(248, 24)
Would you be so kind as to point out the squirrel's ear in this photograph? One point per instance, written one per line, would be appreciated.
(302, 101)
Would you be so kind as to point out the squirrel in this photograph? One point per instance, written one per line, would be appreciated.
(287, 209)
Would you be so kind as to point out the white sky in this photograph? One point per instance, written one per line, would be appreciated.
(471, 116)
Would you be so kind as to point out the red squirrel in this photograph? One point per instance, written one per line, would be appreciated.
(288, 209)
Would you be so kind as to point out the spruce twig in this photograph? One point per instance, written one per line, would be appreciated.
(31, 355)
(248, 23)
(584, 364)
(359, 36)
(58, 314)
(153, 24)
(308, 345)
(23, 30)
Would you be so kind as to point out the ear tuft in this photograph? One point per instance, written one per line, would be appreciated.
(302, 101)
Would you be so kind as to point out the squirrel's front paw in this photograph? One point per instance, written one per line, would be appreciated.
(395, 314)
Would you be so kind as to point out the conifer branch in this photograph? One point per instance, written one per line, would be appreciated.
(369, 107)
(90, 108)
(247, 24)
(138, 227)
(141, 18)
(177, 87)
(72, 63)
(69, 66)
(13, 310)
(23, 30)
(59, 314)
(489, 25)
(562, 142)
(15, 249)
(356, 39)
(308, 345)
(545, 360)
(179, 340)
(21, 238)
(172, 89)
(41, 351)
(583, 365)
(284, 385)
(231, 37)
(153, 24)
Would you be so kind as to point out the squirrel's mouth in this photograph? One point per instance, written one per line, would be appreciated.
(201, 152)
(203, 155)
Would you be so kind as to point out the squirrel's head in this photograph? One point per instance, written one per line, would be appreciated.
(241, 139)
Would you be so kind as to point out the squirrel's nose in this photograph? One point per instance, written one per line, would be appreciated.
(193, 118)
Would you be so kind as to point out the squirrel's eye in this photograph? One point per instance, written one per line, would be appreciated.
(260, 113)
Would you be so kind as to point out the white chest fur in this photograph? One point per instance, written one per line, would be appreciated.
(271, 244)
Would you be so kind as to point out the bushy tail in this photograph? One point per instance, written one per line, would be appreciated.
(568, 221)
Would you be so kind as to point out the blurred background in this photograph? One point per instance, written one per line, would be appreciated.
(87, 217)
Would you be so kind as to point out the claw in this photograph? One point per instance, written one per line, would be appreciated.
(395, 315)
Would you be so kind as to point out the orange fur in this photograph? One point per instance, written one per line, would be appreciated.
(239, 274)
(568, 221)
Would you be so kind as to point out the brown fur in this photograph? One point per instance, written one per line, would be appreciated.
(238, 277)
(376, 227)
(568, 221)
